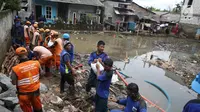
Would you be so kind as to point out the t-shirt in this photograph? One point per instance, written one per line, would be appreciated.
(43, 52)
(104, 81)
(94, 56)
(25, 31)
(192, 106)
(133, 106)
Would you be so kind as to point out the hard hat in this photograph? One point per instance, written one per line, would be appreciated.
(28, 22)
(20, 50)
(41, 30)
(47, 30)
(36, 22)
(35, 25)
(66, 36)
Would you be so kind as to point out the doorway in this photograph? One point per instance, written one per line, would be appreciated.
(38, 10)
(74, 18)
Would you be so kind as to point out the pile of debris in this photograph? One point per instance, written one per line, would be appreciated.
(9, 61)
(162, 64)
(81, 101)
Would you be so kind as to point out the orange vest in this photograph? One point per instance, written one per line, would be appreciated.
(27, 76)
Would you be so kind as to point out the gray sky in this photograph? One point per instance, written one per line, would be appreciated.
(161, 4)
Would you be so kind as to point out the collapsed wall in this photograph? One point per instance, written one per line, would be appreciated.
(6, 21)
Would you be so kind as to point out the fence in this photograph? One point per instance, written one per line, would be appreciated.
(78, 27)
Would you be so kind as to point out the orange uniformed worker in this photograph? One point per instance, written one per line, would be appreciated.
(47, 37)
(57, 48)
(26, 32)
(26, 78)
(45, 58)
(37, 38)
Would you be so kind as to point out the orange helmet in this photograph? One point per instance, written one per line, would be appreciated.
(20, 51)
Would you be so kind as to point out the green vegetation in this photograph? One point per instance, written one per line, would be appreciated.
(11, 4)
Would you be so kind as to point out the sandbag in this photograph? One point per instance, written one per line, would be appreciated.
(93, 66)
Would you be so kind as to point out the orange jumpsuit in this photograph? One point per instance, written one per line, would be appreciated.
(28, 85)
(26, 37)
(56, 52)
(46, 56)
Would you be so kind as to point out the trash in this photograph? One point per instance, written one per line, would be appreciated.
(195, 62)
(56, 100)
(69, 108)
(114, 78)
(78, 84)
(51, 110)
(43, 88)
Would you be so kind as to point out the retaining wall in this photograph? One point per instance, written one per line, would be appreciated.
(6, 21)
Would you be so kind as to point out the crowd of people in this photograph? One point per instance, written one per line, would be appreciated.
(39, 50)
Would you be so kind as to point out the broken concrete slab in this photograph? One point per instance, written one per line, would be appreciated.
(3, 109)
(6, 80)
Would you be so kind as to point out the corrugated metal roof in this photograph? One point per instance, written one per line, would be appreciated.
(83, 2)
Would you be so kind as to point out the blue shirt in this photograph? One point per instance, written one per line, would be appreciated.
(104, 81)
(192, 106)
(64, 58)
(133, 106)
(94, 56)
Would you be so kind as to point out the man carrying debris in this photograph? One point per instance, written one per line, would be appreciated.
(102, 90)
(26, 32)
(66, 70)
(26, 78)
(133, 102)
(45, 58)
(56, 48)
(47, 37)
(100, 56)
(37, 38)
(66, 37)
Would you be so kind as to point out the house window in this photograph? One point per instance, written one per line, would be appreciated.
(48, 12)
(190, 3)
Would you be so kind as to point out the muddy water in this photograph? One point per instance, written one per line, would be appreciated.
(139, 50)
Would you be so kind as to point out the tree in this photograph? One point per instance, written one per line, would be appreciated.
(153, 9)
(177, 9)
(11, 4)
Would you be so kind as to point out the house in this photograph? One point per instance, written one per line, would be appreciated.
(169, 17)
(140, 11)
(190, 13)
(70, 11)
(26, 9)
(117, 11)
(190, 17)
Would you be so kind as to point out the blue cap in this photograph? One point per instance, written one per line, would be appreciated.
(196, 84)
(66, 36)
